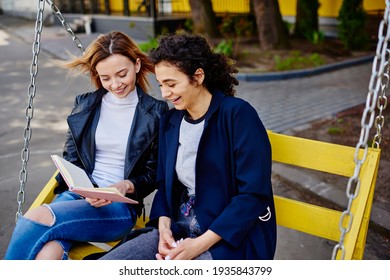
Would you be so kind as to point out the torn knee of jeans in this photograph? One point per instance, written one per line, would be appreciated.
(40, 216)
(52, 214)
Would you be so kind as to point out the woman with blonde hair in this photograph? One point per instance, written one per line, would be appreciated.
(113, 136)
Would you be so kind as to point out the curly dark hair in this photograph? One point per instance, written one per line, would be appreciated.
(191, 52)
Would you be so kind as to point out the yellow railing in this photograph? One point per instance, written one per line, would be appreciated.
(328, 8)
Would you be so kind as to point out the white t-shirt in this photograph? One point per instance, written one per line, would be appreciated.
(190, 133)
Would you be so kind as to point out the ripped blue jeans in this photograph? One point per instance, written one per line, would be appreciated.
(74, 220)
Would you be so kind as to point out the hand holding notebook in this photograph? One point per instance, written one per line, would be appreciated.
(79, 182)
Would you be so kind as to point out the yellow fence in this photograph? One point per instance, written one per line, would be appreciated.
(182, 6)
(328, 8)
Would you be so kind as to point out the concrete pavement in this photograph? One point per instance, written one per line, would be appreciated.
(283, 105)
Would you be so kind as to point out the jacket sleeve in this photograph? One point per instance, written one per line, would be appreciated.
(251, 154)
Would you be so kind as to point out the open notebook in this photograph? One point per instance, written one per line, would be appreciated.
(79, 182)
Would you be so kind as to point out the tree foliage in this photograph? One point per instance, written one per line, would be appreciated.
(351, 28)
(306, 20)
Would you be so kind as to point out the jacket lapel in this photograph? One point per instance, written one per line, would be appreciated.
(172, 144)
(78, 122)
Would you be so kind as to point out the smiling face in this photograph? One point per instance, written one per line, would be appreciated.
(176, 87)
(117, 74)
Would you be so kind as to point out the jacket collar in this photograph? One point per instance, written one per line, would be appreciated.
(215, 103)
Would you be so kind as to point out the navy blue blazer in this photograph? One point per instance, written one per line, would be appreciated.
(233, 179)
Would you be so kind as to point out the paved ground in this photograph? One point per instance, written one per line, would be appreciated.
(282, 105)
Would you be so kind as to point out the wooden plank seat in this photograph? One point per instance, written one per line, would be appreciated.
(292, 213)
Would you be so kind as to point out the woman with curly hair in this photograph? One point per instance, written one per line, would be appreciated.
(215, 198)
(113, 136)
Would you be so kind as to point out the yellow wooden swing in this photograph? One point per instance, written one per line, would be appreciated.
(360, 164)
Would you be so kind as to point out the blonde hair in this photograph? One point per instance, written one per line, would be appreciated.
(105, 45)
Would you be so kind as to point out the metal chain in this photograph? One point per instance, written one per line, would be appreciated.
(66, 25)
(376, 98)
(382, 103)
(25, 154)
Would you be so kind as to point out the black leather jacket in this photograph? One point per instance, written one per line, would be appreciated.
(142, 150)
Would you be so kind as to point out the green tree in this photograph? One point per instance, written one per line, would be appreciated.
(351, 28)
(306, 20)
(233, 28)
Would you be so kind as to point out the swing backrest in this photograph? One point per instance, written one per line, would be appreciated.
(321, 221)
(291, 213)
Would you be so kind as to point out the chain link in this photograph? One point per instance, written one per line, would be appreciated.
(376, 98)
(32, 89)
(66, 25)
